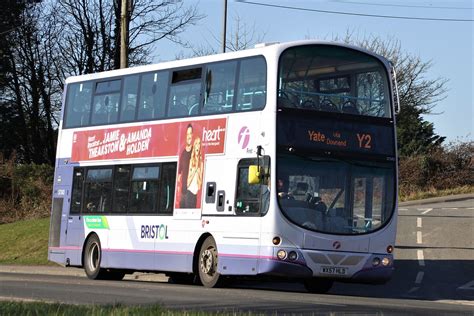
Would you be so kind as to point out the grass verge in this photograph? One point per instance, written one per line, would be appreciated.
(435, 193)
(40, 308)
(25, 242)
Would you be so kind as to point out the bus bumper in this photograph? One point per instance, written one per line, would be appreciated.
(279, 268)
(378, 275)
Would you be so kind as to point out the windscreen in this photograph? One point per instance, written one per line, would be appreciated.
(335, 196)
(333, 79)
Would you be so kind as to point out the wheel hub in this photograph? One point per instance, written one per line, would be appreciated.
(207, 262)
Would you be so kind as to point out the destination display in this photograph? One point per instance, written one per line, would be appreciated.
(335, 135)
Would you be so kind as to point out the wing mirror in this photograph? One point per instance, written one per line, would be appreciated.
(255, 174)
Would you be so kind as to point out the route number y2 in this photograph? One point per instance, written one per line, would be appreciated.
(364, 141)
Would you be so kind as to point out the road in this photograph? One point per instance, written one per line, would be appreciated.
(434, 275)
(434, 255)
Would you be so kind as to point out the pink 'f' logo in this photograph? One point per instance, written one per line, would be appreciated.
(244, 137)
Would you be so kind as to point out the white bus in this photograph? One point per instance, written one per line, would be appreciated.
(276, 161)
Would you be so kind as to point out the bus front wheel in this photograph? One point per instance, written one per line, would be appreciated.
(208, 257)
(92, 259)
(318, 285)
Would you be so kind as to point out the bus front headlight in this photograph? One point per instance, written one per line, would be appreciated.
(281, 254)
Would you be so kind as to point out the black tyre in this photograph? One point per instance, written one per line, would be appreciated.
(92, 259)
(207, 263)
(318, 285)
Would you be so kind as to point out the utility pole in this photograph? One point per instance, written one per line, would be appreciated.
(124, 34)
(224, 31)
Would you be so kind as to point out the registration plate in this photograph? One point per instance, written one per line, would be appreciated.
(334, 270)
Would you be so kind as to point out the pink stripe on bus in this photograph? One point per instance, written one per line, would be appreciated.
(148, 251)
(245, 256)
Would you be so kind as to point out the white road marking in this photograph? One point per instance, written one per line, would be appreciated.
(403, 209)
(421, 258)
(419, 239)
(467, 286)
(419, 277)
(449, 208)
(470, 208)
(418, 222)
(414, 289)
(22, 299)
(427, 211)
(457, 302)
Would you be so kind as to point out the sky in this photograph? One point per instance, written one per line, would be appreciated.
(448, 44)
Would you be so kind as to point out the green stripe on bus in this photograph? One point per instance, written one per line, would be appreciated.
(96, 222)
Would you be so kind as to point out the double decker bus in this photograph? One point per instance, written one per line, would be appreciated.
(276, 161)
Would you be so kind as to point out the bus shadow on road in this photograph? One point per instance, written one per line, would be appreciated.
(431, 280)
(436, 280)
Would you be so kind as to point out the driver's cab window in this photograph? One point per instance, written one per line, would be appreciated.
(253, 199)
(368, 200)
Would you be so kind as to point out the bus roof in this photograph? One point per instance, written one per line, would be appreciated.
(264, 49)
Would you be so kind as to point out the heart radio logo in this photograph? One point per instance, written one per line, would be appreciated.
(244, 137)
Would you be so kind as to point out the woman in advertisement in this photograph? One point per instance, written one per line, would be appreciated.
(195, 173)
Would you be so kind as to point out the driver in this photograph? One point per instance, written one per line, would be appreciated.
(319, 205)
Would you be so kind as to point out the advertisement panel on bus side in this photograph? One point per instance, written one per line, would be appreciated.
(146, 141)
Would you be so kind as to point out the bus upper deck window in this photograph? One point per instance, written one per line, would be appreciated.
(152, 102)
(252, 89)
(185, 93)
(333, 79)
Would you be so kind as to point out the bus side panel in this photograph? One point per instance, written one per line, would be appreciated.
(148, 243)
(238, 256)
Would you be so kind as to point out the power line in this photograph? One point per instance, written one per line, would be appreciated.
(403, 5)
(353, 13)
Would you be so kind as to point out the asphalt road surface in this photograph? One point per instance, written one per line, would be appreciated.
(434, 275)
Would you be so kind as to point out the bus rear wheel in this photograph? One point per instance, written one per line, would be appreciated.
(207, 263)
(318, 285)
(92, 259)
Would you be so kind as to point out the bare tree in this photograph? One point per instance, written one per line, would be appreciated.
(31, 88)
(91, 30)
(415, 88)
(241, 36)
